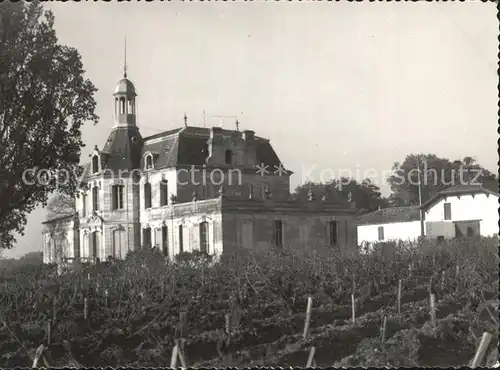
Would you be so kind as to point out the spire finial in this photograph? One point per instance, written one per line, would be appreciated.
(125, 60)
(185, 120)
(237, 125)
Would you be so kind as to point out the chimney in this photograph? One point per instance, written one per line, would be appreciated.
(215, 132)
(248, 135)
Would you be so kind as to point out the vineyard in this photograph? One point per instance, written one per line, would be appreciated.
(423, 304)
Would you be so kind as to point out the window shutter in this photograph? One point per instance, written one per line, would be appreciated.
(113, 197)
(273, 230)
(120, 196)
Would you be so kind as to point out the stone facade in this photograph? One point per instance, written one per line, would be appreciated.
(189, 189)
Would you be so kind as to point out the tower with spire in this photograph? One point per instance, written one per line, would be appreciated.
(124, 145)
(125, 94)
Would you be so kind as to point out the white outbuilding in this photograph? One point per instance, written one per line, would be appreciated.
(459, 211)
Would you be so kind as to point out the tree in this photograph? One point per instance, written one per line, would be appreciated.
(436, 174)
(366, 194)
(44, 101)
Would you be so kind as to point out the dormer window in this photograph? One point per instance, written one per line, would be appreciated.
(149, 162)
(95, 164)
(229, 157)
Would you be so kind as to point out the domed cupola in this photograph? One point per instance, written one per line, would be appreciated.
(125, 104)
(125, 87)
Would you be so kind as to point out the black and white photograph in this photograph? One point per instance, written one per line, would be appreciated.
(238, 184)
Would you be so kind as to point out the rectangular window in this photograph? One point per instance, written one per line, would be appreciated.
(117, 197)
(333, 232)
(147, 195)
(380, 233)
(164, 240)
(278, 233)
(95, 198)
(204, 237)
(181, 241)
(84, 205)
(146, 237)
(447, 211)
(163, 193)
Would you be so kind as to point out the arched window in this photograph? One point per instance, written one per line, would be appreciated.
(122, 105)
(95, 164)
(229, 156)
(94, 241)
(130, 106)
(164, 240)
(116, 106)
(149, 162)
(204, 240)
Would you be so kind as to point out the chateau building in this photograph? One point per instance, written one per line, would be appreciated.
(185, 189)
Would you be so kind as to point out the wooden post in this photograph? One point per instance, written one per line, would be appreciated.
(227, 319)
(180, 353)
(85, 308)
(383, 331)
(481, 350)
(308, 318)
(399, 296)
(38, 353)
(183, 324)
(442, 279)
(457, 270)
(54, 309)
(311, 357)
(353, 302)
(173, 358)
(49, 332)
(433, 310)
(106, 298)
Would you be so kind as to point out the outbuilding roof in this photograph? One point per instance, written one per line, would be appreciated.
(457, 190)
(390, 215)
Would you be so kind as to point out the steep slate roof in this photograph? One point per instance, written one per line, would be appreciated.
(180, 146)
(465, 189)
(123, 149)
(390, 215)
(188, 146)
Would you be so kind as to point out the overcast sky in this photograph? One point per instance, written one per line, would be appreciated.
(335, 86)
